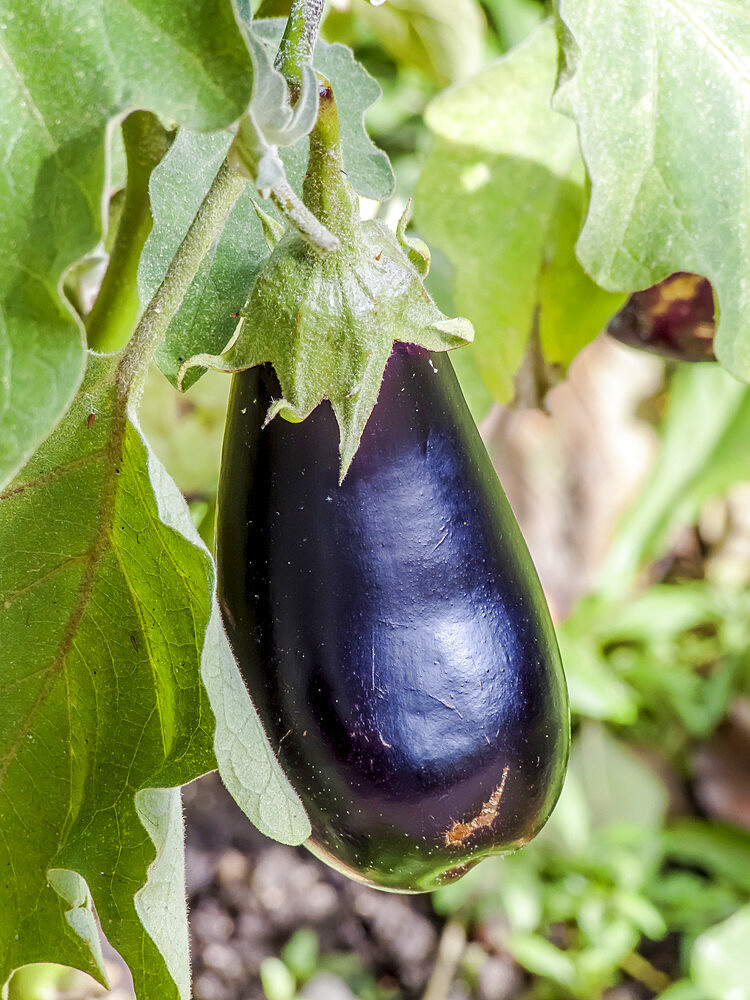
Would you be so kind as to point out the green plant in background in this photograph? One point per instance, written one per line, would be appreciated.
(545, 199)
(300, 961)
(660, 665)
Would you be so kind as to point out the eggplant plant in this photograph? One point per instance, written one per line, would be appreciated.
(383, 609)
(377, 676)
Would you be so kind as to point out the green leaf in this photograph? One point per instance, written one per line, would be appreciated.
(593, 688)
(660, 612)
(514, 19)
(718, 848)
(439, 283)
(246, 761)
(501, 195)
(278, 981)
(105, 600)
(64, 75)
(443, 41)
(301, 953)
(542, 958)
(185, 431)
(705, 448)
(660, 92)
(683, 989)
(618, 787)
(720, 959)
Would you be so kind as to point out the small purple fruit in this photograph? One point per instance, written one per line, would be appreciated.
(674, 318)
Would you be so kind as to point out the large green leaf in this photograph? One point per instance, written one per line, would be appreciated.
(66, 70)
(501, 195)
(204, 323)
(107, 621)
(660, 91)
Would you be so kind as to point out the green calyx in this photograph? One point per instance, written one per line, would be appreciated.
(327, 321)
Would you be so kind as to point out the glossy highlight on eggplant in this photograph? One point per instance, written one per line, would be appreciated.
(391, 630)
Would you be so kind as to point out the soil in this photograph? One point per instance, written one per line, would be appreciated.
(248, 895)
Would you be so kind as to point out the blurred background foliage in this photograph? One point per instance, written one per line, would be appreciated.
(631, 485)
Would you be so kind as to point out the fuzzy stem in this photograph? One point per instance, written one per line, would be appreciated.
(111, 321)
(243, 157)
(326, 191)
(295, 51)
(205, 227)
(298, 42)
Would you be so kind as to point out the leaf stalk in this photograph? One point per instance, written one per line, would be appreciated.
(115, 312)
(326, 190)
(298, 41)
(158, 314)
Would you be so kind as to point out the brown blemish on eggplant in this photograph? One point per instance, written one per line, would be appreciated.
(458, 833)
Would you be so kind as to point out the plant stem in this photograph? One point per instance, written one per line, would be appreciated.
(298, 41)
(111, 321)
(295, 52)
(205, 227)
(644, 972)
(273, 8)
(304, 221)
(326, 190)
(243, 157)
(296, 48)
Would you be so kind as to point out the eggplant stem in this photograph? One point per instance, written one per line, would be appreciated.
(298, 41)
(206, 226)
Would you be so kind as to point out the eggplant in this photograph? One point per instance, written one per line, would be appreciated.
(391, 629)
(674, 318)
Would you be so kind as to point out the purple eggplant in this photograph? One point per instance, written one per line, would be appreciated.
(391, 630)
(674, 318)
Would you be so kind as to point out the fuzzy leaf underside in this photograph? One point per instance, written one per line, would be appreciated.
(105, 599)
(328, 326)
(661, 95)
(501, 195)
(88, 63)
(204, 323)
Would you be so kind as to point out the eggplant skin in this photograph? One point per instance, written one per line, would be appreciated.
(391, 630)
